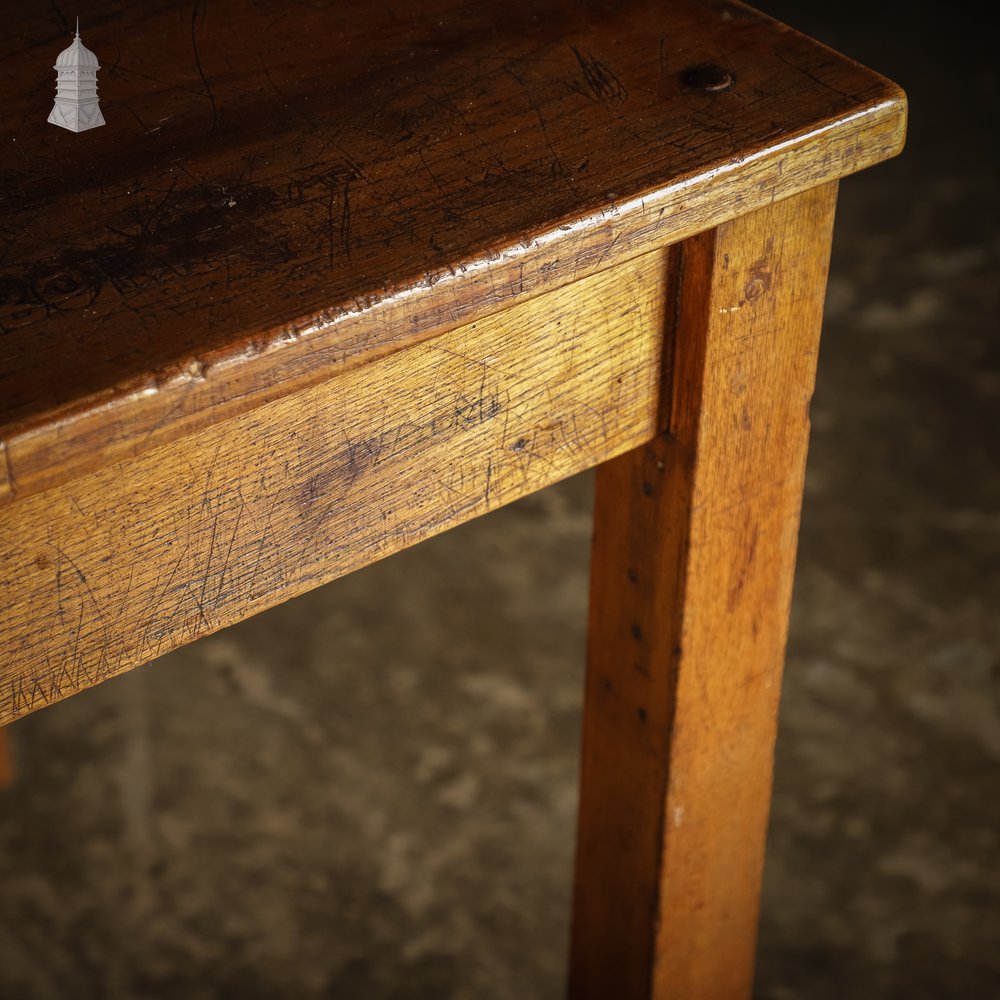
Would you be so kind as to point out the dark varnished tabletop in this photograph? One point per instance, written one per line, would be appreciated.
(285, 189)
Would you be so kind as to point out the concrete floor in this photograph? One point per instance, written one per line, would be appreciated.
(370, 791)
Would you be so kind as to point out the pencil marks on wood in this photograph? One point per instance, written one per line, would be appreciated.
(137, 558)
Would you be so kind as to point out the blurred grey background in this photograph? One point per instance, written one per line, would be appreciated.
(370, 791)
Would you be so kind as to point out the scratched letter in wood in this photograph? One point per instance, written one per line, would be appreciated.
(285, 190)
(137, 558)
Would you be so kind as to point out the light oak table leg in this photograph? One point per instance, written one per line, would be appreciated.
(6, 768)
(693, 556)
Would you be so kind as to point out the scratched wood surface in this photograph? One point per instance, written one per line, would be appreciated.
(137, 558)
(694, 548)
(284, 190)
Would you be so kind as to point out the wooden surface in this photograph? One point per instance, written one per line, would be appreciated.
(694, 548)
(137, 558)
(337, 277)
(286, 190)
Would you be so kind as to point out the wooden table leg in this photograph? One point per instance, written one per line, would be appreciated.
(6, 768)
(694, 549)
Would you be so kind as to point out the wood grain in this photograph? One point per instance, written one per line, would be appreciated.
(285, 190)
(694, 548)
(139, 557)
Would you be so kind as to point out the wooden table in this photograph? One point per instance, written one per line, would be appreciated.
(335, 278)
